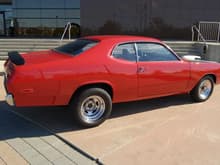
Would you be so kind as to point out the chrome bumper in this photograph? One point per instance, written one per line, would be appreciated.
(9, 97)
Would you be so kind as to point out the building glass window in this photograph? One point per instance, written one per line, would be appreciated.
(45, 18)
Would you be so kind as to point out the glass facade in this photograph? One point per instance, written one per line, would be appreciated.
(1, 24)
(5, 17)
(44, 18)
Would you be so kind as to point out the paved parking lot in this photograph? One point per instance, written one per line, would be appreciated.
(23, 141)
(171, 130)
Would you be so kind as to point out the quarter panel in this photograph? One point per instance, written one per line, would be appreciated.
(201, 69)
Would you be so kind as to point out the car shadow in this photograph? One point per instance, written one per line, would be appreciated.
(13, 126)
(130, 108)
(59, 119)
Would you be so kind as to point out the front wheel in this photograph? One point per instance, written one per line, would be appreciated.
(91, 107)
(203, 90)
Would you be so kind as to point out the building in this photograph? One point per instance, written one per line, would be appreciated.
(38, 18)
(5, 14)
(160, 18)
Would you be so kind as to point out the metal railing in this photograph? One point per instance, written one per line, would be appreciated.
(210, 31)
(68, 28)
(199, 38)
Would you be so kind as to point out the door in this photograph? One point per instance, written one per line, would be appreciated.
(160, 72)
(123, 65)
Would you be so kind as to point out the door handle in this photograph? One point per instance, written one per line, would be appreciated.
(141, 69)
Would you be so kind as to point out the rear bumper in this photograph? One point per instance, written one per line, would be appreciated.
(9, 97)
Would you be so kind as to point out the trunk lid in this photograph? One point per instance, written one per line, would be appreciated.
(35, 57)
(43, 57)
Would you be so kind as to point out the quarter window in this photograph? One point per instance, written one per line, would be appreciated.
(154, 52)
(125, 52)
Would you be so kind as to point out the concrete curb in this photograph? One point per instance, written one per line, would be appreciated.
(2, 68)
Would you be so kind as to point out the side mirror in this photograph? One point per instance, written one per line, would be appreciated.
(191, 57)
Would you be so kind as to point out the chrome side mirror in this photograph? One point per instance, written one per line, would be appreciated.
(191, 57)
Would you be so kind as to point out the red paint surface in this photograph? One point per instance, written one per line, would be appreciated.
(49, 78)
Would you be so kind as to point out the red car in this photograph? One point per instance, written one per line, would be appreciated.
(91, 73)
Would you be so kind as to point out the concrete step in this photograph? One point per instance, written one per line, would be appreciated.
(183, 48)
(188, 53)
(33, 40)
(179, 42)
(181, 45)
(197, 52)
(27, 45)
(25, 49)
(30, 43)
(3, 58)
(186, 49)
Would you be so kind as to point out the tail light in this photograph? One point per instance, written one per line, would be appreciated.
(9, 68)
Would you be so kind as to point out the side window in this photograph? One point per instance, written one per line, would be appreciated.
(125, 52)
(154, 52)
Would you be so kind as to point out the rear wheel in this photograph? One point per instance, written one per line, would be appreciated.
(91, 107)
(203, 90)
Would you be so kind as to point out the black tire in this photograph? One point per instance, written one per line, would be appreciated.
(197, 94)
(91, 107)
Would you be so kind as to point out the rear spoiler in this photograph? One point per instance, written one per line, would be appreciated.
(16, 58)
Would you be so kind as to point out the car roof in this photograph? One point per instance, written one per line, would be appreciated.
(122, 38)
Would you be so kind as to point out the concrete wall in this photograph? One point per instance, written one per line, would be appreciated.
(213, 53)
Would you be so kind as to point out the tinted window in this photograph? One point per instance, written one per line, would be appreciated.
(154, 52)
(125, 52)
(76, 47)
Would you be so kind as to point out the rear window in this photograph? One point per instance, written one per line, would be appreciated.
(76, 47)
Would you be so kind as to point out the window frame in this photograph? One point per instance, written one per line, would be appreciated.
(157, 43)
(133, 43)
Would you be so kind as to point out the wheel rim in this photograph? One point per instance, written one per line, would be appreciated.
(92, 109)
(205, 89)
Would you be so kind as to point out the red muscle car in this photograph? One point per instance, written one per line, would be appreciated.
(91, 73)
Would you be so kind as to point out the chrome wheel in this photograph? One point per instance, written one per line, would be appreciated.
(205, 89)
(92, 109)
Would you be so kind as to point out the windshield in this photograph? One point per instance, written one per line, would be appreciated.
(76, 47)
